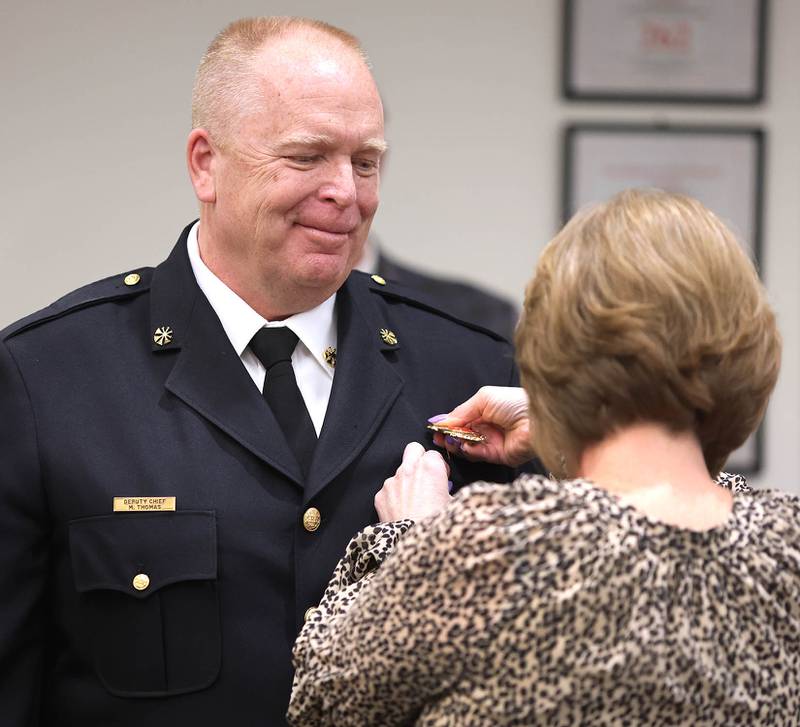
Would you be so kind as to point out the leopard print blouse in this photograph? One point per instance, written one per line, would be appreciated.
(543, 603)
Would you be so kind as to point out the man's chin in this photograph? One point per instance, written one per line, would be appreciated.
(326, 272)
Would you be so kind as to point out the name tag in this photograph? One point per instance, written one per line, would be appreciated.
(143, 504)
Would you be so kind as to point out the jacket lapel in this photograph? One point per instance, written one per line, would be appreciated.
(364, 387)
(208, 375)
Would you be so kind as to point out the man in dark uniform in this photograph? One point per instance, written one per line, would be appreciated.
(187, 449)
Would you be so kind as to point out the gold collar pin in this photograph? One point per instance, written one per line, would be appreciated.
(162, 335)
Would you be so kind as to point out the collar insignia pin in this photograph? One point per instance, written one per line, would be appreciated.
(388, 337)
(330, 356)
(162, 335)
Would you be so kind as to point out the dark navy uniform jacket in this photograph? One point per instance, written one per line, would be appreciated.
(187, 617)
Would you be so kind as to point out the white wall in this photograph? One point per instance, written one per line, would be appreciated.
(95, 110)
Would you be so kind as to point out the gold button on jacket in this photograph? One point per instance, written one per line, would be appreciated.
(141, 581)
(311, 519)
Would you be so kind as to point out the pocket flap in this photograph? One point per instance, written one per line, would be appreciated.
(151, 550)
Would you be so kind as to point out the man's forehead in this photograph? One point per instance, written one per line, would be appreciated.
(308, 77)
(308, 53)
(313, 85)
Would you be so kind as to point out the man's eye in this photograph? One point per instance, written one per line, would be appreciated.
(302, 159)
(365, 166)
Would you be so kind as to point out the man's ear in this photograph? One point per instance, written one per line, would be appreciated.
(200, 157)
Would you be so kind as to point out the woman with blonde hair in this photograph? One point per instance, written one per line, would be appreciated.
(634, 589)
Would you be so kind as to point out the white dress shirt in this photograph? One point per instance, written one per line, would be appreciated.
(316, 329)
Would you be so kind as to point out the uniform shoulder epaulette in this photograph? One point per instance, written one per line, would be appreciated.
(397, 291)
(115, 287)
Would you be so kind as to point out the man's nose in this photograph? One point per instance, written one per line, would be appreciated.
(340, 185)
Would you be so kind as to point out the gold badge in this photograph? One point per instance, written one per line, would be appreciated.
(378, 279)
(144, 504)
(132, 279)
(162, 335)
(468, 435)
(388, 337)
(330, 356)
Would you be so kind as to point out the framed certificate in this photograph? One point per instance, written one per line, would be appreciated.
(709, 51)
(720, 166)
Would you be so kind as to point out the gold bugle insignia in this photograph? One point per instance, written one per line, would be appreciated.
(143, 504)
(388, 337)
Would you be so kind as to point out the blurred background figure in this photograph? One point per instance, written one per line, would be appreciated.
(637, 588)
(464, 300)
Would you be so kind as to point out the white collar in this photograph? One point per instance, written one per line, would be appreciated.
(316, 328)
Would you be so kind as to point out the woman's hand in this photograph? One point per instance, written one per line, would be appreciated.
(418, 489)
(500, 413)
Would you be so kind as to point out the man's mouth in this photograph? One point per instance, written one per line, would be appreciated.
(328, 233)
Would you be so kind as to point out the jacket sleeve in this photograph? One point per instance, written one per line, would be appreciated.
(23, 552)
(402, 639)
(363, 555)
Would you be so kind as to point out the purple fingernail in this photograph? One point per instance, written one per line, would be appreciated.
(437, 418)
(449, 485)
(453, 442)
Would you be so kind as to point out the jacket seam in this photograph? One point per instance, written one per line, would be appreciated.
(35, 422)
(71, 309)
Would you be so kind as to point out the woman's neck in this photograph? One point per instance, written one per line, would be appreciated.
(659, 472)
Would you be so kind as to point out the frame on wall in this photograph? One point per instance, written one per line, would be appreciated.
(670, 51)
(722, 166)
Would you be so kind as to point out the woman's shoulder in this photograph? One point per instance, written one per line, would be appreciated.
(577, 515)
(774, 500)
(773, 514)
(490, 499)
(528, 493)
(490, 514)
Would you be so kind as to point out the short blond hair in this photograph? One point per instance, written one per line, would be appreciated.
(646, 309)
(224, 86)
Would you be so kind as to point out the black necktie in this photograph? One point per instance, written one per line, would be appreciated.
(274, 347)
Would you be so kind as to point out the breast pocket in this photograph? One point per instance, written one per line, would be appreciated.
(148, 592)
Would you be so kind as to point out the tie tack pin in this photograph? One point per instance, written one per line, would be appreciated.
(388, 337)
(162, 335)
(330, 356)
